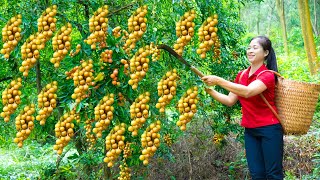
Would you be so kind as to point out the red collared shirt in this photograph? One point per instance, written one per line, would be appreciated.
(255, 112)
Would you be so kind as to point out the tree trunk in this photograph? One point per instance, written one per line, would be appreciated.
(318, 15)
(309, 44)
(272, 7)
(281, 13)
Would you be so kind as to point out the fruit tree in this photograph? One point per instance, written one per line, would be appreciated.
(95, 75)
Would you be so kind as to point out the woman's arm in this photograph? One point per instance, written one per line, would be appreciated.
(254, 88)
(228, 100)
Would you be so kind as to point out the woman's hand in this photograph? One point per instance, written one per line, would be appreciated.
(208, 90)
(211, 80)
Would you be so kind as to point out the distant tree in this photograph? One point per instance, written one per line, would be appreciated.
(281, 13)
(308, 38)
(316, 14)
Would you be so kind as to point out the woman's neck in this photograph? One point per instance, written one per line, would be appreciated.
(254, 68)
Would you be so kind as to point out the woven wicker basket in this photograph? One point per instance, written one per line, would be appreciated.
(296, 103)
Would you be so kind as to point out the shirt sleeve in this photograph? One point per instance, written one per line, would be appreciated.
(267, 78)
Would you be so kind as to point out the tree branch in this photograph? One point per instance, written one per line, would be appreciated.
(5, 79)
(120, 9)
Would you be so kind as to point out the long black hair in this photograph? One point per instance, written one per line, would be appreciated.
(271, 57)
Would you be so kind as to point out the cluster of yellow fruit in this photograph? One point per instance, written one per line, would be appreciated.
(30, 50)
(77, 118)
(98, 26)
(83, 79)
(217, 139)
(155, 52)
(125, 65)
(184, 31)
(114, 77)
(167, 89)
(47, 101)
(64, 131)
(30, 53)
(187, 107)
(216, 50)
(116, 32)
(103, 113)
(70, 73)
(91, 139)
(167, 139)
(11, 98)
(127, 151)
(139, 112)
(125, 35)
(24, 124)
(208, 35)
(150, 141)
(47, 23)
(61, 44)
(115, 143)
(139, 66)
(106, 56)
(11, 35)
(137, 26)
(73, 53)
(125, 172)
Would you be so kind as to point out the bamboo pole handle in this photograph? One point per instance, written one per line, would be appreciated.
(195, 70)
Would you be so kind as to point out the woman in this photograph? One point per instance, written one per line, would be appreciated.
(263, 132)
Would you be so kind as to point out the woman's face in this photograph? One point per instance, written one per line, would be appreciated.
(255, 52)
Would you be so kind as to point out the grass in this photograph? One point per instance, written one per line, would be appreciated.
(26, 162)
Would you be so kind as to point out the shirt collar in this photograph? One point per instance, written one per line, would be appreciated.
(261, 68)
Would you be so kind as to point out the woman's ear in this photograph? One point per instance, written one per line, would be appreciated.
(266, 52)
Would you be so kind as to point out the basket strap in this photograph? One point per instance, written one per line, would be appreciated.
(242, 75)
(271, 108)
(274, 72)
